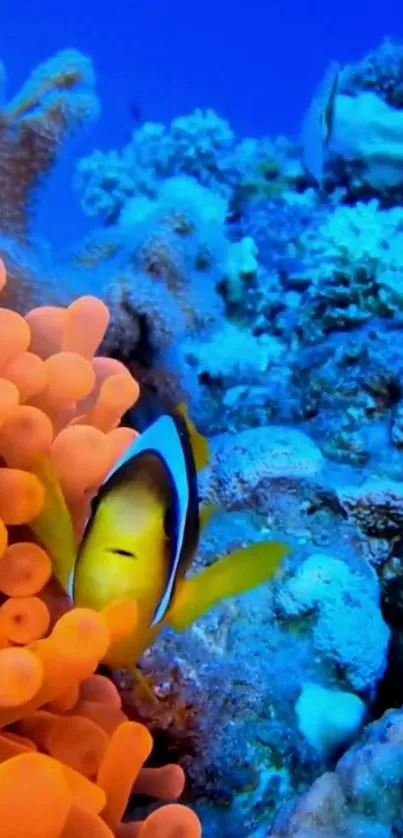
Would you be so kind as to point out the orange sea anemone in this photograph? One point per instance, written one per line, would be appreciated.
(66, 747)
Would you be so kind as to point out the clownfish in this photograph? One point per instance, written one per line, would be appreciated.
(141, 537)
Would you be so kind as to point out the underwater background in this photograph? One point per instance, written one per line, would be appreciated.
(256, 66)
(228, 179)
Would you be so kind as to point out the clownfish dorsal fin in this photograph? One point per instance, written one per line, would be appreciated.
(206, 513)
(198, 442)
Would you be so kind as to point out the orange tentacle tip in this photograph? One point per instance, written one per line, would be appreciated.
(164, 783)
(21, 676)
(15, 336)
(3, 537)
(70, 378)
(117, 772)
(25, 569)
(171, 821)
(24, 619)
(25, 437)
(84, 632)
(22, 496)
(86, 324)
(98, 688)
(47, 324)
(28, 372)
(80, 454)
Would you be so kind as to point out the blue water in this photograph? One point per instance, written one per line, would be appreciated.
(254, 62)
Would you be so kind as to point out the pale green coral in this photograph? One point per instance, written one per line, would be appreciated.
(360, 237)
(354, 261)
(322, 589)
(232, 353)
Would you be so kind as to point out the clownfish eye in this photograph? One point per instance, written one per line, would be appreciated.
(127, 553)
(169, 521)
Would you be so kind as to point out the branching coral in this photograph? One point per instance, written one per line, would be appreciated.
(180, 241)
(381, 71)
(201, 145)
(64, 741)
(354, 262)
(55, 101)
(167, 258)
(52, 104)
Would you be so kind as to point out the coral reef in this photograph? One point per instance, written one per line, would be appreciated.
(381, 71)
(321, 623)
(275, 308)
(243, 467)
(65, 739)
(316, 592)
(361, 797)
(201, 145)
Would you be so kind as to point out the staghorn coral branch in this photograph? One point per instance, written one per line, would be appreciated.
(55, 101)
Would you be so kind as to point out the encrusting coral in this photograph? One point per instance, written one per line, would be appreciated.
(65, 743)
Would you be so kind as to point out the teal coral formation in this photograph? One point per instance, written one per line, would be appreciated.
(323, 588)
(354, 263)
(361, 797)
(201, 145)
(381, 71)
(172, 254)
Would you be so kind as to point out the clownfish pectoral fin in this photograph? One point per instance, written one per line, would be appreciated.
(198, 442)
(206, 513)
(231, 575)
(54, 528)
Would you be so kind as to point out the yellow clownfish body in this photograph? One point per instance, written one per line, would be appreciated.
(142, 536)
(125, 555)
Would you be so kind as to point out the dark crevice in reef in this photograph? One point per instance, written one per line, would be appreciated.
(390, 689)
